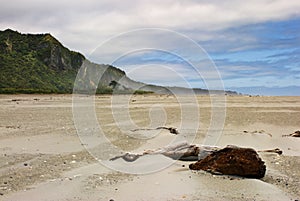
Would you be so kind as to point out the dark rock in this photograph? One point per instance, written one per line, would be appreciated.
(173, 131)
(233, 160)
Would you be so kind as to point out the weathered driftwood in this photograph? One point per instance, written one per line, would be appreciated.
(182, 151)
(294, 134)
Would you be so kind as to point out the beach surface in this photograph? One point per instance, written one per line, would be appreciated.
(43, 158)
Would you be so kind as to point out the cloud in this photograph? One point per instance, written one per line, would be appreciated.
(88, 23)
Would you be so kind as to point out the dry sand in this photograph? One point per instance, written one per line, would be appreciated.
(42, 157)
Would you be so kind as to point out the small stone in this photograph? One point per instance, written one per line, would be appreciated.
(25, 164)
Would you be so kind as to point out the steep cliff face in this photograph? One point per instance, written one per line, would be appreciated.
(44, 46)
(56, 56)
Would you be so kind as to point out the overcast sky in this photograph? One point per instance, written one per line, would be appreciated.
(255, 44)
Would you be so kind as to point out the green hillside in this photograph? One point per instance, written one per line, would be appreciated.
(38, 63)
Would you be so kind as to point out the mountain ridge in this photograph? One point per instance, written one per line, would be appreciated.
(39, 63)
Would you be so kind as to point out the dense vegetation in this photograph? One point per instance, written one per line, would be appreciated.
(38, 63)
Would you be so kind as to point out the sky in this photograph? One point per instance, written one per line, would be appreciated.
(252, 47)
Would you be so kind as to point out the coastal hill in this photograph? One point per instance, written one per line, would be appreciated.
(39, 63)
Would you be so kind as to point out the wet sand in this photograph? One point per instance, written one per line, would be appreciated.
(42, 157)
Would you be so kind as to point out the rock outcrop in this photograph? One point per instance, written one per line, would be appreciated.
(232, 160)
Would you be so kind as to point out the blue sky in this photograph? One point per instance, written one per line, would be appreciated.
(254, 45)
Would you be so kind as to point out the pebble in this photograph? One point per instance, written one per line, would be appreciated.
(77, 175)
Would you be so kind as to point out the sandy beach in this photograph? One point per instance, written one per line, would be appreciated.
(43, 158)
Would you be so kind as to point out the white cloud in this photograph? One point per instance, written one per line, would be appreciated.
(82, 25)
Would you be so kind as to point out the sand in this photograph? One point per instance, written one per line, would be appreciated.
(43, 158)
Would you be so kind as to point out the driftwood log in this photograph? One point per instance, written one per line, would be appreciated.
(182, 151)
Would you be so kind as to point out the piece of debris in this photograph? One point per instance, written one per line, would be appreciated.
(13, 127)
(277, 151)
(127, 157)
(14, 100)
(233, 160)
(294, 134)
(258, 132)
(171, 129)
